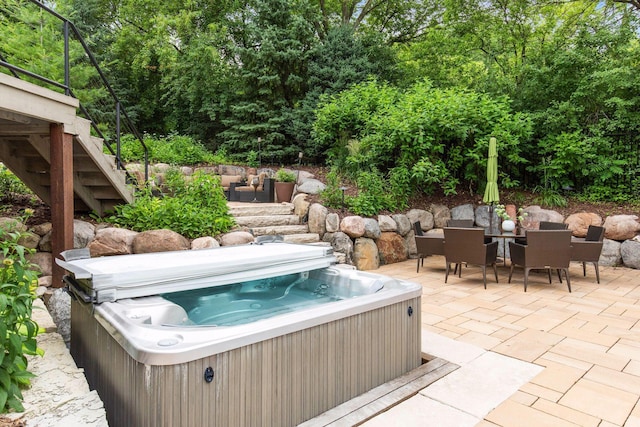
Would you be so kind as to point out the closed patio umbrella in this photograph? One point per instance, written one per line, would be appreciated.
(491, 195)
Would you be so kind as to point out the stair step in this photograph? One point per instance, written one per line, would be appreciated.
(238, 209)
(280, 229)
(302, 238)
(267, 220)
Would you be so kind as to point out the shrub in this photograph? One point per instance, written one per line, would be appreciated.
(173, 149)
(285, 176)
(196, 208)
(11, 184)
(18, 331)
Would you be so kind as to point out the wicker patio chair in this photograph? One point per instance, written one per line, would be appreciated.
(544, 250)
(467, 245)
(588, 249)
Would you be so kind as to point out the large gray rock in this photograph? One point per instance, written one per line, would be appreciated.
(42, 229)
(579, 222)
(236, 238)
(441, 215)
(304, 176)
(630, 253)
(392, 248)
(59, 307)
(371, 228)
(365, 254)
(611, 253)
(403, 225)
(621, 227)
(318, 219)
(486, 216)
(83, 233)
(43, 260)
(463, 212)
(342, 243)
(112, 241)
(425, 218)
(535, 214)
(387, 223)
(159, 241)
(410, 242)
(332, 223)
(311, 186)
(206, 242)
(352, 226)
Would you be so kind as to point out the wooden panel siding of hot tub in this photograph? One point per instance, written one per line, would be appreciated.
(278, 382)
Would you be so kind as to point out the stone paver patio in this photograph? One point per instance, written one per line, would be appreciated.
(584, 348)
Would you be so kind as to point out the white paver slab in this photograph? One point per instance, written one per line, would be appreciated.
(422, 411)
(482, 384)
(448, 349)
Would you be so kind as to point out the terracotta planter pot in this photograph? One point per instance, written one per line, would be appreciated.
(284, 191)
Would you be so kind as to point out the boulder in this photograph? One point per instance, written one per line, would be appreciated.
(236, 238)
(441, 214)
(463, 212)
(392, 248)
(112, 241)
(43, 261)
(611, 253)
(59, 307)
(340, 242)
(403, 225)
(535, 214)
(365, 254)
(45, 281)
(42, 229)
(425, 218)
(206, 242)
(410, 242)
(318, 219)
(83, 233)
(486, 216)
(311, 186)
(371, 228)
(301, 205)
(159, 241)
(332, 223)
(29, 240)
(579, 222)
(352, 226)
(621, 227)
(630, 253)
(387, 224)
(304, 176)
(12, 224)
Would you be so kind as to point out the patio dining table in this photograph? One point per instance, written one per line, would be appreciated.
(504, 235)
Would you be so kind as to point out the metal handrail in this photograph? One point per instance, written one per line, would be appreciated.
(120, 112)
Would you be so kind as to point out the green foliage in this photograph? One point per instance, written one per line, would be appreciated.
(373, 195)
(252, 159)
(440, 137)
(172, 149)
(549, 198)
(332, 195)
(196, 208)
(283, 175)
(18, 280)
(11, 184)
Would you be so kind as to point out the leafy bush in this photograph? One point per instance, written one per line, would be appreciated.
(18, 331)
(196, 208)
(11, 184)
(173, 149)
(332, 195)
(374, 196)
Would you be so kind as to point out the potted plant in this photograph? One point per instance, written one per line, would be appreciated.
(508, 224)
(285, 183)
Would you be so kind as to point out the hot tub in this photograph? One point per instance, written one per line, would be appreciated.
(264, 334)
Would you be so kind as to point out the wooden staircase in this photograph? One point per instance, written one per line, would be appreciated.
(26, 113)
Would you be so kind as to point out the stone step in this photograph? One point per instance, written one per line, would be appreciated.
(282, 230)
(238, 209)
(302, 238)
(267, 220)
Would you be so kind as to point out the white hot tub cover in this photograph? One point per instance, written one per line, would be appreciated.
(128, 276)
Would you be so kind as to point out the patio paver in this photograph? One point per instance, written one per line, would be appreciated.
(585, 343)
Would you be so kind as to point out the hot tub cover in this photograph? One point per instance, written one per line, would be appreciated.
(129, 276)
